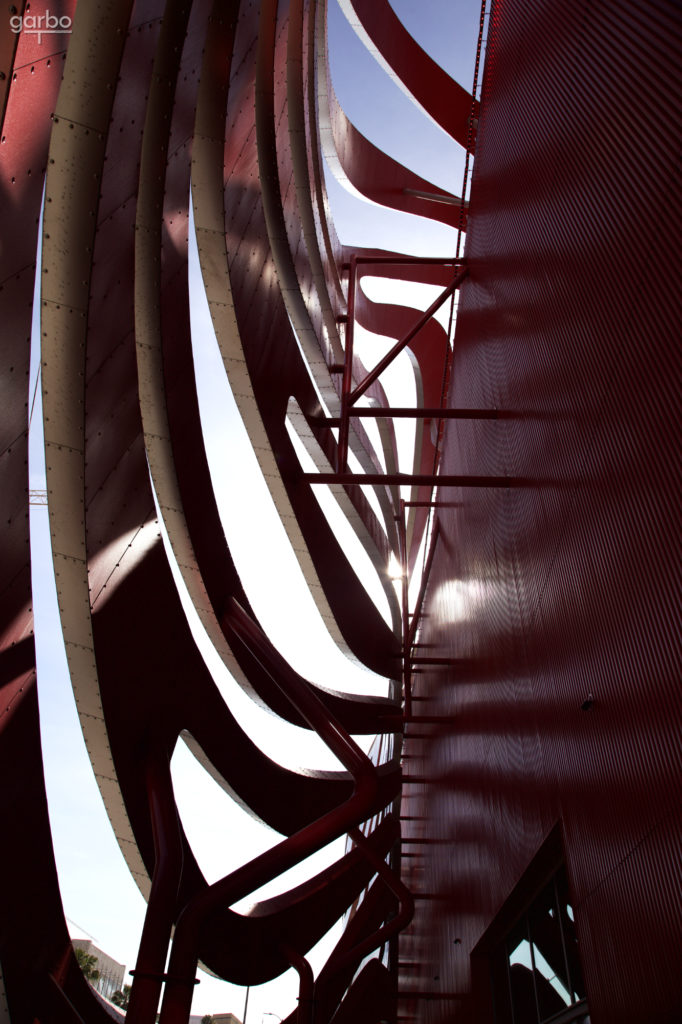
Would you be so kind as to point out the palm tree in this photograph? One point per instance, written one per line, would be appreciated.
(87, 963)
(122, 998)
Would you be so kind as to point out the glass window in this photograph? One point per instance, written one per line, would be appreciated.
(544, 977)
(520, 965)
(577, 984)
(549, 963)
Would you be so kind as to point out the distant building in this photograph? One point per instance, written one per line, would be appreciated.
(218, 1018)
(111, 973)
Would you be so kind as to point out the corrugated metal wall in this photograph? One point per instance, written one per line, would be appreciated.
(566, 584)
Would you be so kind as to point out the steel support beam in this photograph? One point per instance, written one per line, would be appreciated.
(403, 412)
(411, 480)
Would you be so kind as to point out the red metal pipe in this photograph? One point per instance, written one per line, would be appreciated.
(149, 970)
(405, 993)
(177, 998)
(402, 541)
(426, 720)
(424, 582)
(437, 661)
(408, 261)
(299, 693)
(306, 985)
(433, 504)
(396, 412)
(392, 927)
(412, 479)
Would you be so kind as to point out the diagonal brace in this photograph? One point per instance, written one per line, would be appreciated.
(400, 345)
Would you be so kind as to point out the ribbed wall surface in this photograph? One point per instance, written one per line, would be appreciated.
(567, 584)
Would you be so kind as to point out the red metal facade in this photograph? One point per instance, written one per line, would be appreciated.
(566, 588)
(541, 684)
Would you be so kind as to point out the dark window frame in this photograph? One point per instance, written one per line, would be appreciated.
(546, 869)
(550, 902)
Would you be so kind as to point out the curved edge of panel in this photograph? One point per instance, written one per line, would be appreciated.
(302, 53)
(280, 247)
(410, 68)
(350, 155)
(77, 151)
(207, 198)
(149, 348)
(307, 438)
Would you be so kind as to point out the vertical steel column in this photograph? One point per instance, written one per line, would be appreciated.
(306, 985)
(414, 625)
(148, 975)
(405, 590)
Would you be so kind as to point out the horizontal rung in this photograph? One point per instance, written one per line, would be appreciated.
(403, 412)
(422, 779)
(411, 480)
(419, 660)
(407, 261)
(409, 994)
(423, 842)
(426, 720)
(434, 504)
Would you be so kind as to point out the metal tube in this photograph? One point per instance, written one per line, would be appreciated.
(408, 261)
(438, 661)
(423, 585)
(306, 986)
(184, 954)
(402, 412)
(301, 695)
(435, 413)
(396, 924)
(433, 504)
(411, 479)
(402, 540)
(148, 975)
